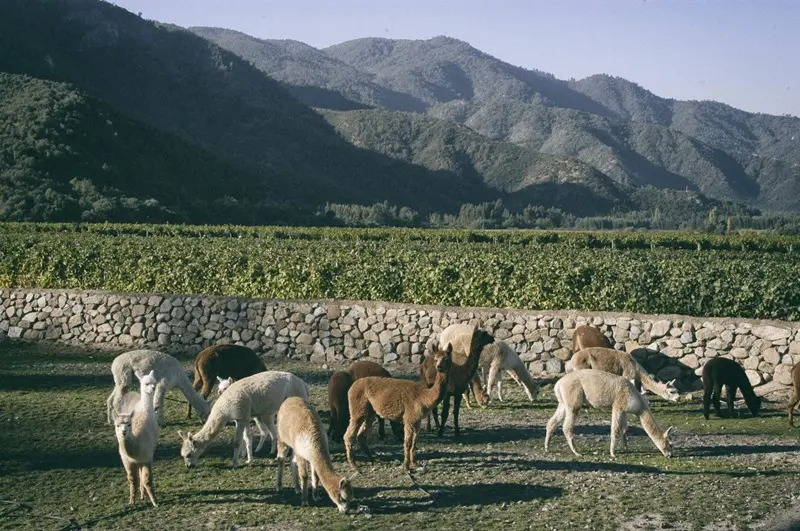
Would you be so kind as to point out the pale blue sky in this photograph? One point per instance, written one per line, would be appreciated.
(742, 52)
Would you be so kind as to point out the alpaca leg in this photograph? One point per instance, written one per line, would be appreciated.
(158, 401)
(352, 429)
(569, 423)
(132, 473)
(248, 443)
(500, 387)
(295, 475)
(302, 474)
(147, 482)
(623, 427)
(731, 392)
(197, 383)
(494, 372)
(552, 424)
(417, 426)
(381, 428)
(314, 483)
(397, 429)
(362, 434)
(283, 450)
(792, 403)
(515, 377)
(716, 398)
(456, 409)
(707, 401)
(615, 429)
(237, 440)
(112, 404)
(466, 397)
(445, 412)
(263, 428)
(407, 444)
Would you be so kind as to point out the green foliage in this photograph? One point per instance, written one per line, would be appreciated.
(741, 275)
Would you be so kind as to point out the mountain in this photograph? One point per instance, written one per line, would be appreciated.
(109, 116)
(618, 127)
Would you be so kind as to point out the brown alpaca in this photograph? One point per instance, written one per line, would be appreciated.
(427, 375)
(338, 386)
(796, 395)
(398, 400)
(587, 336)
(465, 365)
(223, 361)
(300, 429)
(623, 364)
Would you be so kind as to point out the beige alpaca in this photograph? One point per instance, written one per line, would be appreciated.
(260, 396)
(603, 390)
(623, 364)
(394, 400)
(137, 432)
(170, 374)
(468, 342)
(300, 429)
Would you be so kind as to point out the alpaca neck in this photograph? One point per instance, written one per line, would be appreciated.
(145, 404)
(197, 402)
(323, 467)
(213, 426)
(653, 386)
(434, 394)
(748, 394)
(650, 426)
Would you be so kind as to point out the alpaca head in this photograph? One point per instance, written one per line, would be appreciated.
(443, 359)
(664, 443)
(122, 425)
(672, 393)
(223, 383)
(147, 382)
(344, 496)
(188, 450)
(756, 406)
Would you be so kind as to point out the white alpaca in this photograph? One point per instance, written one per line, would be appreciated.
(170, 374)
(300, 429)
(258, 396)
(224, 383)
(137, 434)
(495, 357)
(604, 390)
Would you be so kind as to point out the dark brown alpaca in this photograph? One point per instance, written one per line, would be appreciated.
(223, 361)
(587, 336)
(465, 365)
(339, 385)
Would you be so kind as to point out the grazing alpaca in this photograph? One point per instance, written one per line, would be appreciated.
(170, 374)
(796, 394)
(602, 390)
(300, 429)
(499, 356)
(259, 396)
(223, 361)
(623, 364)
(338, 386)
(588, 336)
(722, 371)
(137, 434)
(466, 357)
(394, 399)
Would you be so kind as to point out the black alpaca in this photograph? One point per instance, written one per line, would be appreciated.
(722, 371)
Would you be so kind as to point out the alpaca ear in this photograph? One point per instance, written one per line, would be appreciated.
(666, 433)
(343, 483)
(152, 374)
(181, 435)
(449, 349)
(220, 380)
(671, 382)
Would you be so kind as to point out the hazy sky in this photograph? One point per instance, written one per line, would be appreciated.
(742, 52)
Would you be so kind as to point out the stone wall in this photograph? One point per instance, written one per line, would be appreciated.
(393, 334)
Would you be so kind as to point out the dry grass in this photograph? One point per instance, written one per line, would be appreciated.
(58, 458)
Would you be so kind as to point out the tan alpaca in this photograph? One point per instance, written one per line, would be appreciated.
(468, 342)
(394, 400)
(137, 432)
(588, 336)
(623, 364)
(300, 429)
(796, 394)
(603, 390)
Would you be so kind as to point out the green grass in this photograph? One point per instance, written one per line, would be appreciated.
(58, 458)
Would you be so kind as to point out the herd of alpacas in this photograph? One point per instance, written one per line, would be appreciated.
(278, 403)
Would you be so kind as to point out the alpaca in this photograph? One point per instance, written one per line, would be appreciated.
(722, 371)
(338, 386)
(588, 336)
(796, 394)
(300, 429)
(623, 364)
(137, 434)
(170, 374)
(427, 375)
(247, 442)
(226, 361)
(600, 389)
(257, 396)
(466, 357)
(394, 399)
(460, 335)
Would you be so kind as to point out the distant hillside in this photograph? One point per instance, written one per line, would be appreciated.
(620, 128)
(527, 177)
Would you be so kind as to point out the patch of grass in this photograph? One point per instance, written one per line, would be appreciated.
(58, 458)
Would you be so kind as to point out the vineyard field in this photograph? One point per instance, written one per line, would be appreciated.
(748, 275)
